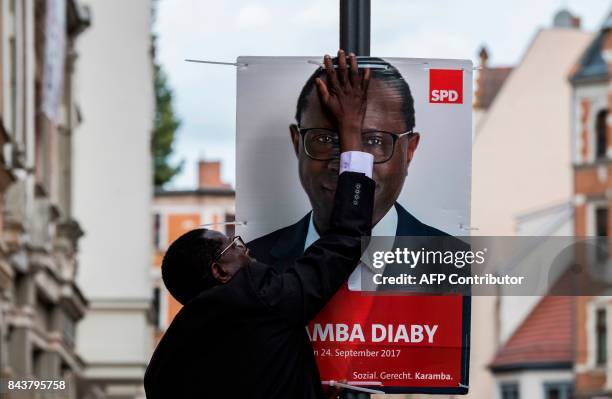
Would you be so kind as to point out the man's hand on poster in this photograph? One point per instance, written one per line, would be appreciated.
(344, 98)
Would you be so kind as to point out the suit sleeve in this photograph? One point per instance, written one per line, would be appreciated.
(299, 293)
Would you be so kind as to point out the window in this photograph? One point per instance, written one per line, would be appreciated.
(157, 231)
(38, 366)
(13, 85)
(601, 337)
(230, 229)
(601, 222)
(69, 331)
(156, 307)
(601, 138)
(510, 390)
(601, 230)
(562, 390)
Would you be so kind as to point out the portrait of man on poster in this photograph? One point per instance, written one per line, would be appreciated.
(388, 133)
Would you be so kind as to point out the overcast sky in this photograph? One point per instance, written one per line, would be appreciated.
(223, 30)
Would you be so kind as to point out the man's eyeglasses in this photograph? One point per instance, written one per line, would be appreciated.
(324, 144)
(236, 242)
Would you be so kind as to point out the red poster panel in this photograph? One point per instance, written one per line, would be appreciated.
(394, 343)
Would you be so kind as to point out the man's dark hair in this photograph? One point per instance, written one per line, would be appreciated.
(379, 70)
(186, 265)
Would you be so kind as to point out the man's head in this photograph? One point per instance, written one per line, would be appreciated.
(201, 259)
(390, 108)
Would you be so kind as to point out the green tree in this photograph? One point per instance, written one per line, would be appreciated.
(164, 132)
(166, 122)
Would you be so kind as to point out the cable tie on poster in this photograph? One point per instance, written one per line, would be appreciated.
(467, 228)
(426, 65)
(354, 388)
(237, 64)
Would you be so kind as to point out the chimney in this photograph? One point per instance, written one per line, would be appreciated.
(565, 19)
(209, 175)
(483, 55)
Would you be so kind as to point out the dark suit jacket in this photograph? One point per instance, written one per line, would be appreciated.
(282, 247)
(247, 338)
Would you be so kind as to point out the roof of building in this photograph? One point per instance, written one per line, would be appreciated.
(592, 65)
(490, 81)
(544, 340)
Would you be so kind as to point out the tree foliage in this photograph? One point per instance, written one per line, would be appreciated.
(164, 132)
(165, 127)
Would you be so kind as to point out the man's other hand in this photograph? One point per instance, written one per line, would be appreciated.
(334, 391)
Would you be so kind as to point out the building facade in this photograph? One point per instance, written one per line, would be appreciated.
(40, 302)
(112, 195)
(591, 155)
(177, 211)
(522, 185)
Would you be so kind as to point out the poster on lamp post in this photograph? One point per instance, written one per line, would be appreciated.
(389, 341)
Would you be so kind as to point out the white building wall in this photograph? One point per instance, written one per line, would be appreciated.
(522, 150)
(127, 345)
(113, 189)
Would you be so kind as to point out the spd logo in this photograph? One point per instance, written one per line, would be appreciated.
(446, 86)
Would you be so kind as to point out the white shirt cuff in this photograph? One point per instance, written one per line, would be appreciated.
(357, 161)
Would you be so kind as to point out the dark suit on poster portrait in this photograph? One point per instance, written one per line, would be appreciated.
(282, 247)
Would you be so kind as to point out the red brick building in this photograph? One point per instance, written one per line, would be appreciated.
(592, 150)
(177, 211)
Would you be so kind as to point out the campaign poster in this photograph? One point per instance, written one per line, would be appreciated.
(389, 342)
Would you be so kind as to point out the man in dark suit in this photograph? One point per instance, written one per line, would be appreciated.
(241, 332)
(389, 121)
